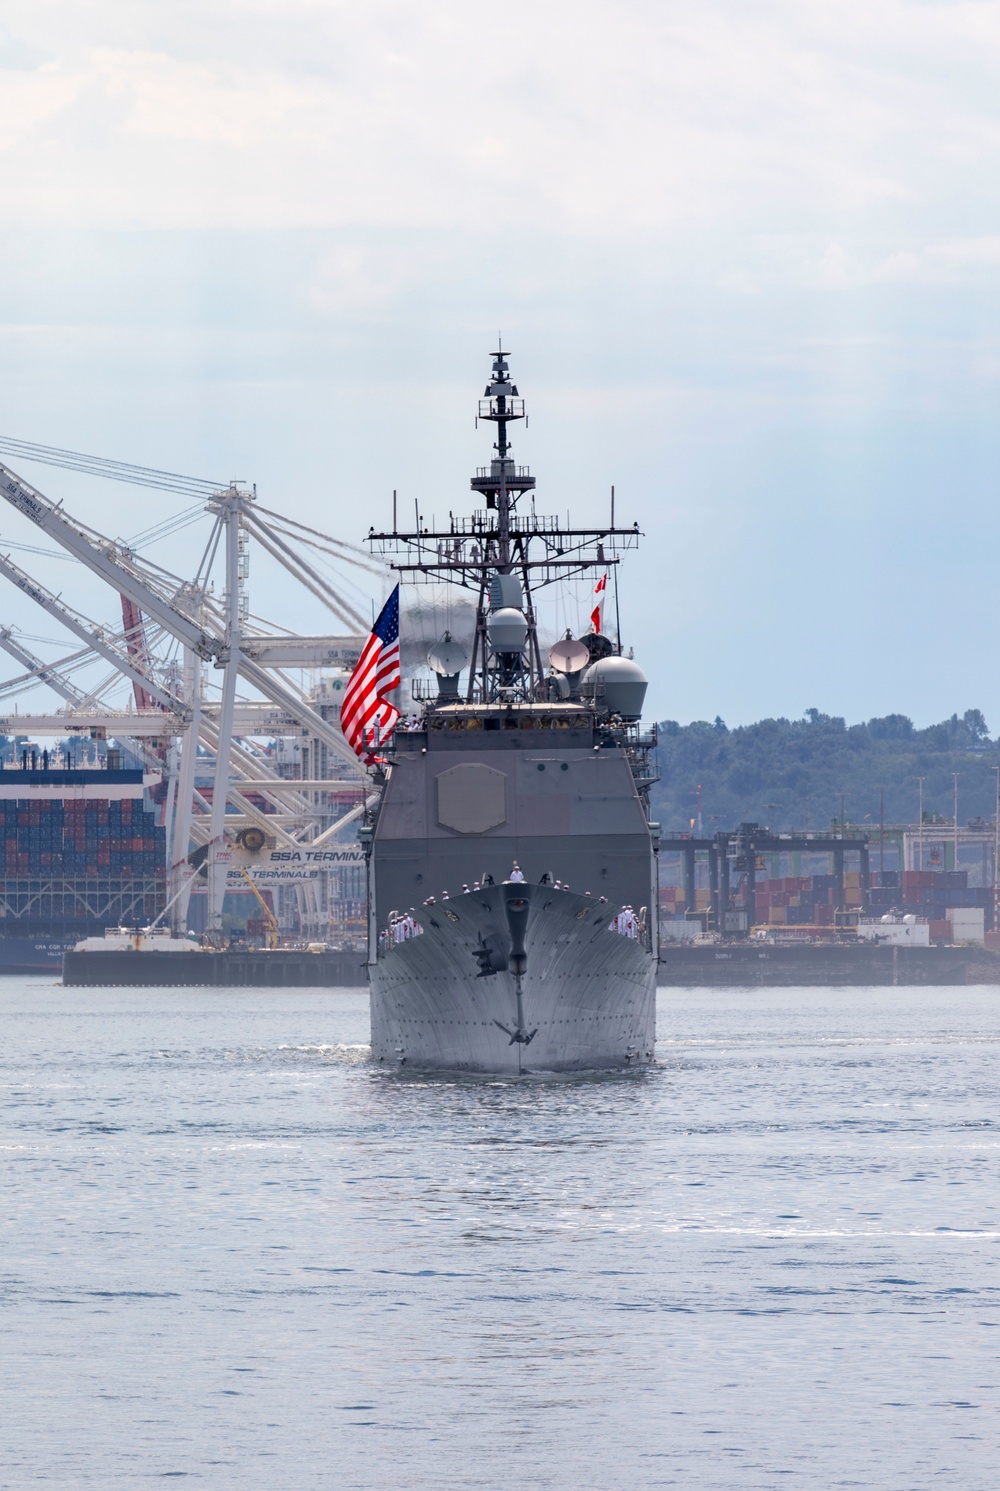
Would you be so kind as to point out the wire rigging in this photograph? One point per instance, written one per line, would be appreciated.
(327, 538)
(9, 543)
(140, 476)
(168, 525)
(361, 563)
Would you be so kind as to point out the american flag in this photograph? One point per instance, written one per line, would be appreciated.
(366, 716)
(597, 614)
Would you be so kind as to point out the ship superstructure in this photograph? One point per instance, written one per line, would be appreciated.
(512, 862)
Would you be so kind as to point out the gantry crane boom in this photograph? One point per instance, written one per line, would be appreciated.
(146, 723)
(44, 672)
(153, 724)
(103, 558)
(108, 562)
(74, 622)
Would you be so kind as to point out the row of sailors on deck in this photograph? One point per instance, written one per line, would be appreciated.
(402, 928)
(626, 924)
(516, 877)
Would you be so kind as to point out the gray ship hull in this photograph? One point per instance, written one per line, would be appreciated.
(587, 994)
(538, 774)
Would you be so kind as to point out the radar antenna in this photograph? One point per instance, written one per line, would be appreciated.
(504, 555)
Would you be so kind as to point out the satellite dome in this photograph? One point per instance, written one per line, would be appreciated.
(617, 685)
(508, 630)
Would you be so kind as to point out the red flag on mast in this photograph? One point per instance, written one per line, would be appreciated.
(597, 614)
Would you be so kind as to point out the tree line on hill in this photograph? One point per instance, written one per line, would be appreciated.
(807, 773)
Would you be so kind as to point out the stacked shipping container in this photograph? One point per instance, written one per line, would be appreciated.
(671, 900)
(813, 900)
(806, 900)
(930, 894)
(79, 862)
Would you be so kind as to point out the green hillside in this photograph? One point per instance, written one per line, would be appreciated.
(794, 772)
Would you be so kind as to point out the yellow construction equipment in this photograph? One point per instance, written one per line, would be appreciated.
(272, 920)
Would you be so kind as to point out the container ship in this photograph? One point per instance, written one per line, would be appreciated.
(84, 881)
(81, 852)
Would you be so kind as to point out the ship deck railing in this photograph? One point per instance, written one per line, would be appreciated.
(483, 524)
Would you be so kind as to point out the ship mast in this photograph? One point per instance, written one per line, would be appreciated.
(502, 484)
(504, 556)
(501, 406)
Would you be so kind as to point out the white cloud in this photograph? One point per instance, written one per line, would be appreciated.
(947, 261)
(31, 99)
(596, 117)
(746, 252)
(168, 99)
(359, 279)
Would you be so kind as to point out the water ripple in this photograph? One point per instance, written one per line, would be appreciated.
(237, 1252)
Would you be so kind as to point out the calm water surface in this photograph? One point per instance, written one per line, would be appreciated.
(234, 1253)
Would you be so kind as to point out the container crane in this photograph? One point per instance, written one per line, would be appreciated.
(207, 631)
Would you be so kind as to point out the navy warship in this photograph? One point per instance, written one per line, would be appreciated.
(511, 860)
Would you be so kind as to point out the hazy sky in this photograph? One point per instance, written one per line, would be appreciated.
(746, 255)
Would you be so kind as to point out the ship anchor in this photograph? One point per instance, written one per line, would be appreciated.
(518, 1036)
